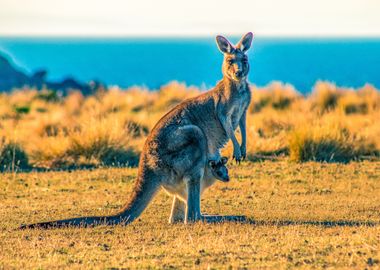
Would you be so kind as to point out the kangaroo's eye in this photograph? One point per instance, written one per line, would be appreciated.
(229, 61)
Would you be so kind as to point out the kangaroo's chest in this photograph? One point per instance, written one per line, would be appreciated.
(238, 107)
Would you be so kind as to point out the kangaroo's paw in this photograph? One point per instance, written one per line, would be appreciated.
(237, 156)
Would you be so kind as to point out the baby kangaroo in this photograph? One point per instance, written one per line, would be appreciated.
(176, 153)
(219, 169)
(215, 170)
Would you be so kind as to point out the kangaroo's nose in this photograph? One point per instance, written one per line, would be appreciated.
(238, 73)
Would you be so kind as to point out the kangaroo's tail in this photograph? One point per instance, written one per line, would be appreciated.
(145, 189)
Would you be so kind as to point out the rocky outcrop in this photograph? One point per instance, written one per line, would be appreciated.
(12, 78)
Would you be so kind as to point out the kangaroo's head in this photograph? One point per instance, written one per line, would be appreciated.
(219, 169)
(235, 64)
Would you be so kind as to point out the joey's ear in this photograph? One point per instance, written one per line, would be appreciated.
(224, 45)
(224, 160)
(245, 42)
(212, 163)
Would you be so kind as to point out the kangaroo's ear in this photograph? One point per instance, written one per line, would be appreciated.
(212, 163)
(245, 42)
(224, 160)
(224, 45)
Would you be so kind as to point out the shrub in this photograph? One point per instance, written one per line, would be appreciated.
(101, 142)
(325, 97)
(326, 145)
(272, 127)
(370, 96)
(171, 94)
(47, 95)
(12, 157)
(351, 103)
(277, 95)
(22, 109)
(136, 129)
(120, 157)
(50, 152)
(50, 130)
(73, 102)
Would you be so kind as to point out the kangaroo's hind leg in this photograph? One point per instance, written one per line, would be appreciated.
(187, 148)
(187, 156)
(178, 212)
(193, 185)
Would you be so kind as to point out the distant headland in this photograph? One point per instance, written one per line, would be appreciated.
(12, 78)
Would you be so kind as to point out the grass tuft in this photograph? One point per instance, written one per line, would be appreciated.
(276, 95)
(326, 145)
(12, 157)
(102, 142)
(325, 97)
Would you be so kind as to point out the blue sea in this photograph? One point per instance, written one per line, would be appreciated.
(152, 62)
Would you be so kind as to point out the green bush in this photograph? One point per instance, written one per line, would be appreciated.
(22, 109)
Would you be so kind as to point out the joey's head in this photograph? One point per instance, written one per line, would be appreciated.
(235, 65)
(219, 169)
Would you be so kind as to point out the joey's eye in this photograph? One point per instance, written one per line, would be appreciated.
(229, 61)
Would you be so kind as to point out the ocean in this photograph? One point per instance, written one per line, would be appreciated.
(152, 62)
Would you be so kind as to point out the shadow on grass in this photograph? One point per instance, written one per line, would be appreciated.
(275, 155)
(323, 223)
(244, 220)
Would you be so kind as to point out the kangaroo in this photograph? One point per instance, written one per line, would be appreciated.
(219, 169)
(176, 152)
(215, 170)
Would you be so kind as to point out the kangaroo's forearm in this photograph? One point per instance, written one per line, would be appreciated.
(243, 129)
(227, 126)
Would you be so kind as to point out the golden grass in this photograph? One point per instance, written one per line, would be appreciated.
(306, 215)
(109, 128)
(309, 215)
(276, 95)
(329, 144)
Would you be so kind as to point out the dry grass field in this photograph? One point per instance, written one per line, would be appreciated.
(40, 129)
(310, 186)
(304, 215)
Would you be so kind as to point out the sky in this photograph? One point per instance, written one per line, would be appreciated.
(189, 18)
